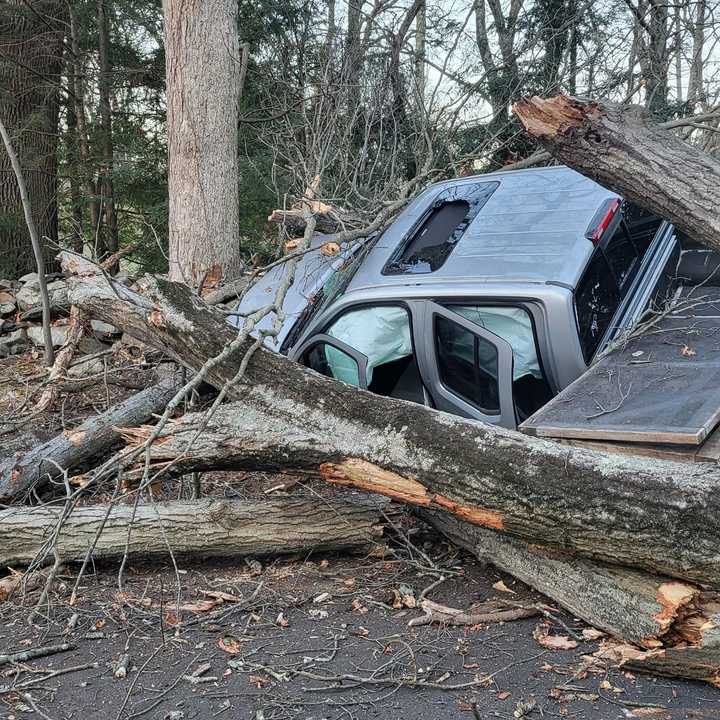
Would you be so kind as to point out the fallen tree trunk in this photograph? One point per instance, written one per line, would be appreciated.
(285, 417)
(658, 516)
(618, 146)
(76, 448)
(200, 528)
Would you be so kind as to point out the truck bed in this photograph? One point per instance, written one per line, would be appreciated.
(655, 392)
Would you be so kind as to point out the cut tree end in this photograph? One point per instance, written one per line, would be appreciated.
(549, 117)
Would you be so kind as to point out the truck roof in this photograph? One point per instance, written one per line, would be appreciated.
(531, 229)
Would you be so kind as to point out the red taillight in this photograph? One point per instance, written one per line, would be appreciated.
(606, 219)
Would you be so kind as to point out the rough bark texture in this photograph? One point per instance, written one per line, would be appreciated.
(202, 68)
(31, 59)
(75, 448)
(622, 150)
(200, 528)
(660, 516)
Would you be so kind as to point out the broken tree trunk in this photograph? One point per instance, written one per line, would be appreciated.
(199, 528)
(660, 516)
(76, 448)
(623, 150)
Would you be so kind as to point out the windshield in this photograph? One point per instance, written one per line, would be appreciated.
(333, 288)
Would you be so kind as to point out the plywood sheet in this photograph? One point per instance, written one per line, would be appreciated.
(661, 387)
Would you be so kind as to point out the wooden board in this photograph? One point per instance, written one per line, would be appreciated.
(662, 387)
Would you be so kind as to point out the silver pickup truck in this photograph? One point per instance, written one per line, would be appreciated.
(486, 297)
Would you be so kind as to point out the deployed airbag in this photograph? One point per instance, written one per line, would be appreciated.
(381, 333)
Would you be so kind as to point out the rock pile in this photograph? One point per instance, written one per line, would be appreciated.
(21, 316)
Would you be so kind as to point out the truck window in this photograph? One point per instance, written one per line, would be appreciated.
(383, 334)
(596, 300)
(513, 324)
(623, 257)
(467, 365)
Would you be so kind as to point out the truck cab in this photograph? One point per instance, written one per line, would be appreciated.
(486, 297)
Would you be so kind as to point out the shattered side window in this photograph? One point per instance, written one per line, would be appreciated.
(596, 300)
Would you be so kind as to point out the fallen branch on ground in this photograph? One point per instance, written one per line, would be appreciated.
(490, 612)
(202, 529)
(73, 449)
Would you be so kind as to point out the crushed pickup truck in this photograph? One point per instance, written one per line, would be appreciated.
(490, 295)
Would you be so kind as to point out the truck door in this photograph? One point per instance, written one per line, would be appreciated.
(468, 370)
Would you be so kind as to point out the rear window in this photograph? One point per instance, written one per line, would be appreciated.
(642, 226)
(610, 273)
(623, 257)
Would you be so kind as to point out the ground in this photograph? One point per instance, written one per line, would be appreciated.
(299, 637)
(326, 617)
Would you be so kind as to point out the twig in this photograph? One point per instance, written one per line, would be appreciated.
(33, 653)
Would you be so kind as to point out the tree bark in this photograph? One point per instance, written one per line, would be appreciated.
(675, 623)
(620, 148)
(76, 448)
(659, 516)
(202, 64)
(203, 529)
(31, 60)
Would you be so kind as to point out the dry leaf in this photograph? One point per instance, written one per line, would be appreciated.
(502, 587)
(258, 681)
(281, 620)
(358, 607)
(360, 632)
(687, 351)
(592, 634)
(329, 249)
(504, 695)
(9, 584)
(291, 245)
(553, 642)
(200, 607)
(229, 644)
(171, 618)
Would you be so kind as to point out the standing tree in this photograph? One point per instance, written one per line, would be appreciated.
(31, 59)
(203, 69)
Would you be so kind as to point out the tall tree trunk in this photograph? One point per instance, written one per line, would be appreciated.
(420, 42)
(75, 170)
(90, 187)
(104, 10)
(696, 92)
(202, 64)
(31, 61)
(353, 60)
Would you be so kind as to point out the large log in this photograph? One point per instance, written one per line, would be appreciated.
(75, 448)
(202, 529)
(285, 417)
(659, 516)
(619, 146)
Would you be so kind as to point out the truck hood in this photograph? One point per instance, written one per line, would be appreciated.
(313, 271)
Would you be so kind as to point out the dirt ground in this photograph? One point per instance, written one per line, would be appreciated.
(316, 637)
(309, 638)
